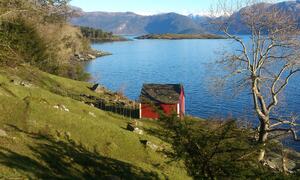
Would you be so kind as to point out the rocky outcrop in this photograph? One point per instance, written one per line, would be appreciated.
(20, 82)
(152, 146)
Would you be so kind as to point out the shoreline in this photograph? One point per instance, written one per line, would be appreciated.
(180, 36)
(90, 55)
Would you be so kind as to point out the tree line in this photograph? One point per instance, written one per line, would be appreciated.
(95, 34)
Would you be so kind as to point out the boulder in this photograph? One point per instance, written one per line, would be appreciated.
(130, 127)
(91, 56)
(3, 133)
(97, 88)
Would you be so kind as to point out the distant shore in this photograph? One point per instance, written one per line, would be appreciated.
(114, 38)
(180, 36)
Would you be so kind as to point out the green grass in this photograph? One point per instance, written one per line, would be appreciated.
(44, 142)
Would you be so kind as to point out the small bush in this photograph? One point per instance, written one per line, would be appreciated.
(22, 44)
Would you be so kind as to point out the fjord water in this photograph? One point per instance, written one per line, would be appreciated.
(178, 61)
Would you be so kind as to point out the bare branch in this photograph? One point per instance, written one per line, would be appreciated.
(282, 122)
(290, 130)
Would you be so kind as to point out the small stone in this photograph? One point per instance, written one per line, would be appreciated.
(92, 114)
(68, 135)
(64, 108)
(61, 107)
(151, 145)
(138, 131)
(2, 133)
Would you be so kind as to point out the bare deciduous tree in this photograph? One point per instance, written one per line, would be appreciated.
(265, 63)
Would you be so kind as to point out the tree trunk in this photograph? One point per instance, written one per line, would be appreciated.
(263, 136)
(263, 116)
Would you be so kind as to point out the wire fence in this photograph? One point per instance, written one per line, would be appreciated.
(121, 109)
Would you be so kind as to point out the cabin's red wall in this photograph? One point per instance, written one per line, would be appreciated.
(182, 103)
(149, 112)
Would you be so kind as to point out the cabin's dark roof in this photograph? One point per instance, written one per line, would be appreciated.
(161, 93)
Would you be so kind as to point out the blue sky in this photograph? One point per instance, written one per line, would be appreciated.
(147, 7)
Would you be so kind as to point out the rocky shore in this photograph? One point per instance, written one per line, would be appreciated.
(89, 55)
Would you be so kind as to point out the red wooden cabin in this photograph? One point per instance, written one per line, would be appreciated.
(169, 98)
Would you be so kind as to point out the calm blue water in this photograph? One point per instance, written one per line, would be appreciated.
(177, 61)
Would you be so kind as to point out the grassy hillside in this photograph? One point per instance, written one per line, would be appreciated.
(49, 134)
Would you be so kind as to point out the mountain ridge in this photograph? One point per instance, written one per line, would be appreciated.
(133, 23)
